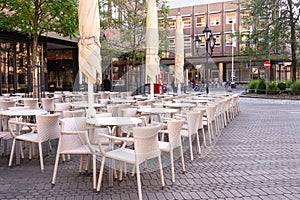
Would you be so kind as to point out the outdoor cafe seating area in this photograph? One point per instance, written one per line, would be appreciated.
(125, 134)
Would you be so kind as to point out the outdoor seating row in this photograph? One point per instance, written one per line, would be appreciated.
(215, 115)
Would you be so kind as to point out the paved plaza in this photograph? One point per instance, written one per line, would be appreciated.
(257, 156)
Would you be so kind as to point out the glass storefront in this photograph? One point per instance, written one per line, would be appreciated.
(55, 67)
(13, 67)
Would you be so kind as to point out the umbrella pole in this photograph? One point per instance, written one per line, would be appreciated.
(151, 90)
(91, 111)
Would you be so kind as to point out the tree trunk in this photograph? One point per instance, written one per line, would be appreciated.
(34, 69)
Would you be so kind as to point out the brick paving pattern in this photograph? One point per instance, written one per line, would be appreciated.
(257, 156)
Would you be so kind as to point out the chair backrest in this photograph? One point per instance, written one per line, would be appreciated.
(146, 142)
(31, 103)
(142, 103)
(174, 128)
(112, 109)
(4, 105)
(104, 95)
(122, 106)
(58, 97)
(73, 113)
(62, 106)
(71, 141)
(114, 95)
(129, 112)
(210, 112)
(48, 104)
(193, 122)
(48, 127)
(103, 101)
(103, 115)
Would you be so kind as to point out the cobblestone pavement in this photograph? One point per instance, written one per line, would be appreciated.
(257, 156)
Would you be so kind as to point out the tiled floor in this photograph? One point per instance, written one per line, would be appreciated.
(256, 157)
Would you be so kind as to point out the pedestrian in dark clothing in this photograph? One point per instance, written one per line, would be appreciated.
(106, 84)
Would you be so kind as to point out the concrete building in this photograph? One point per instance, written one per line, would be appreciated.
(224, 19)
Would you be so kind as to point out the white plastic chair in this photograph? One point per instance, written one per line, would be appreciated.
(73, 113)
(192, 123)
(73, 139)
(47, 128)
(60, 107)
(173, 131)
(145, 147)
(48, 104)
(31, 103)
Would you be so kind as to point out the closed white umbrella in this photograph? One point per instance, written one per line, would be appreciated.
(152, 42)
(89, 45)
(179, 52)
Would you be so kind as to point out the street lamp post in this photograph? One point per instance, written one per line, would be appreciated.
(210, 41)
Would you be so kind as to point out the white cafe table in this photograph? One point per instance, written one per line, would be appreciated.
(21, 113)
(121, 101)
(180, 106)
(112, 123)
(84, 104)
(158, 111)
(196, 101)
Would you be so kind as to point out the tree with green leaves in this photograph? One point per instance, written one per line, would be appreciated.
(34, 18)
(129, 18)
(275, 34)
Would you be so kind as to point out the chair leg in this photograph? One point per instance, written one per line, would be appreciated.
(21, 151)
(80, 163)
(121, 171)
(94, 172)
(161, 172)
(182, 159)
(191, 148)
(12, 152)
(101, 174)
(41, 156)
(204, 138)
(55, 167)
(172, 166)
(138, 179)
(198, 143)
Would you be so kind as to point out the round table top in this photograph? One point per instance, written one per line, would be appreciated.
(113, 121)
(86, 105)
(25, 112)
(179, 105)
(157, 110)
(122, 100)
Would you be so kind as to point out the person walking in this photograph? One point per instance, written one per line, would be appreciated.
(106, 84)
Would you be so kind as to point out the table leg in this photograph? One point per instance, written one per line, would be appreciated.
(110, 162)
(18, 162)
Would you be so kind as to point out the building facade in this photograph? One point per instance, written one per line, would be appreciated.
(57, 63)
(224, 19)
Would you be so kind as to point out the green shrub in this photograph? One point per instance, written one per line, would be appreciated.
(252, 86)
(272, 88)
(288, 83)
(295, 87)
(261, 87)
(281, 86)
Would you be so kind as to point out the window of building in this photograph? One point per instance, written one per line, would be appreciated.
(186, 22)
(230, 17)
(228, 39)
(172, 23)
(171, 43)
(218, 40)
(215, 19)
(200, 21)
(187, 43)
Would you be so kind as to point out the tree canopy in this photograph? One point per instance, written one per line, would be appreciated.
(275, 29)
